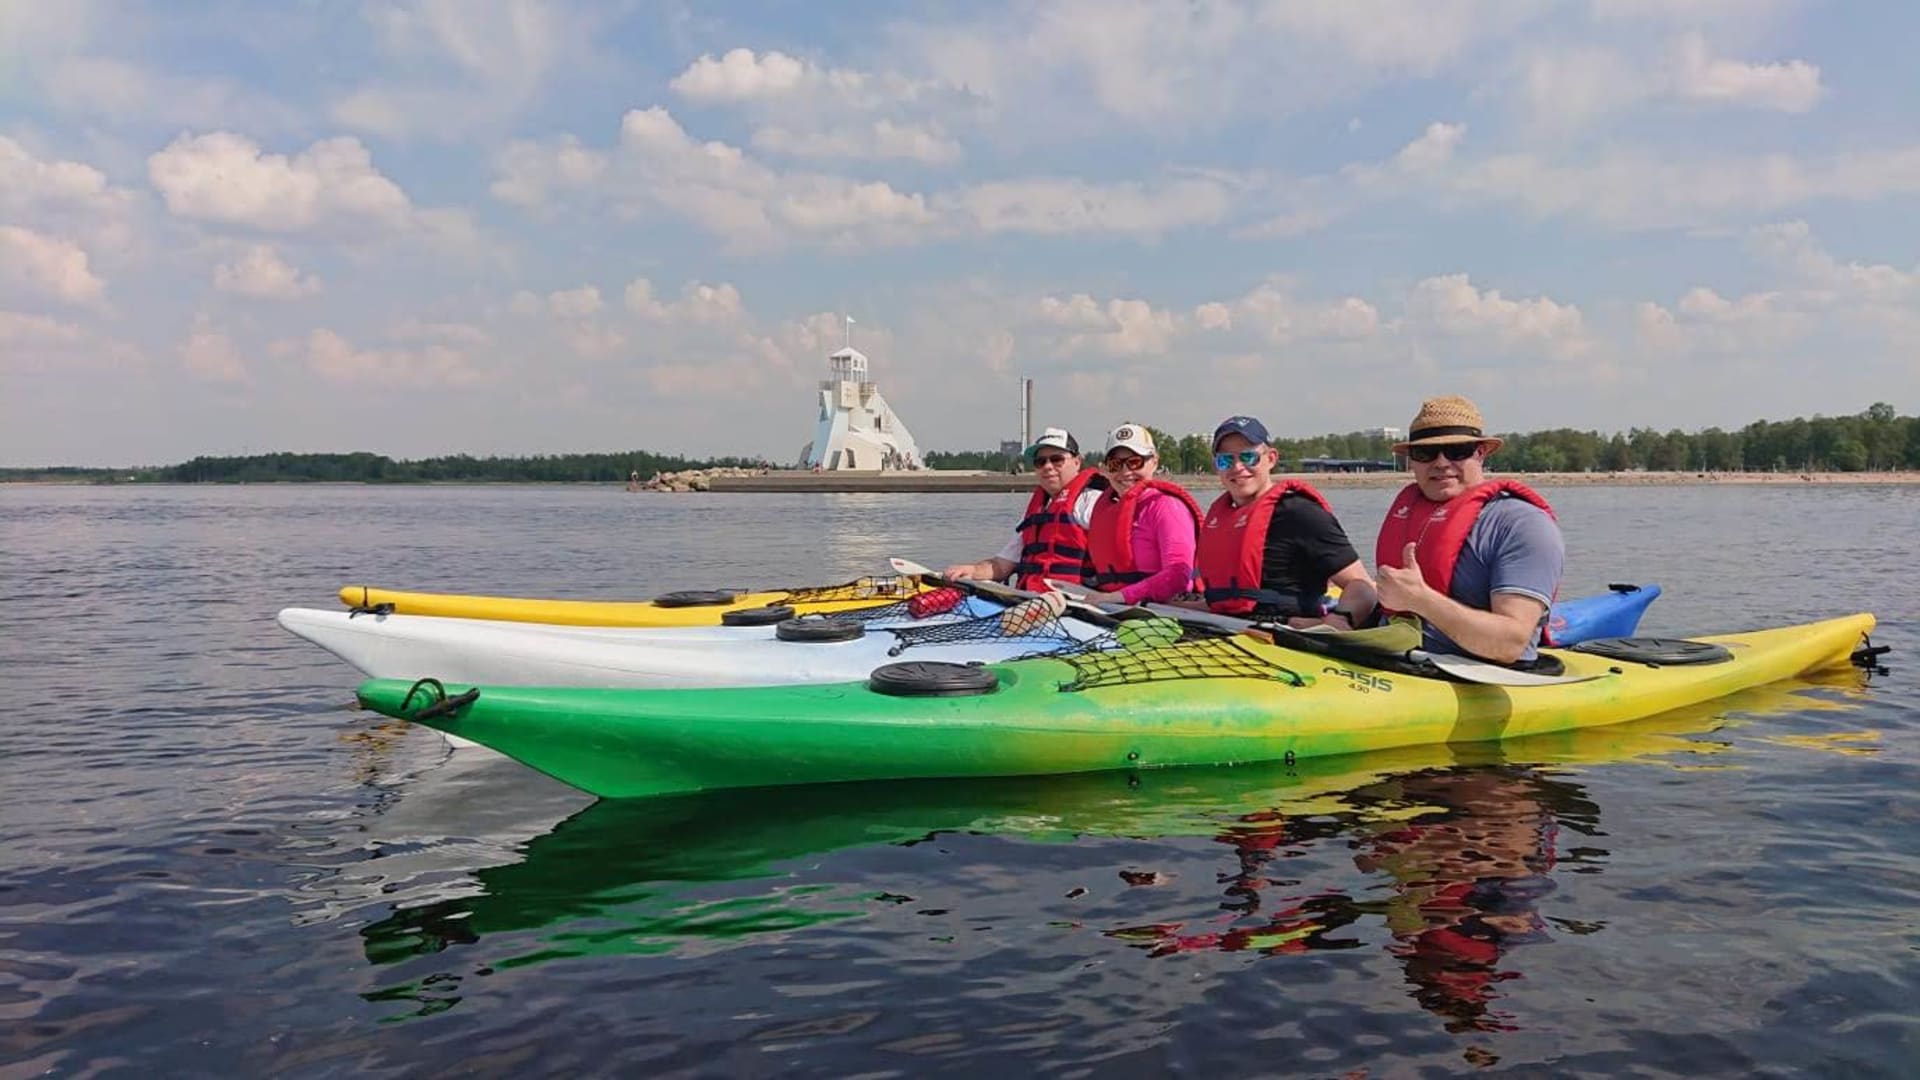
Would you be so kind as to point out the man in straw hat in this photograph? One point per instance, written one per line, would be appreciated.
(1051, 539)
(1478, 560)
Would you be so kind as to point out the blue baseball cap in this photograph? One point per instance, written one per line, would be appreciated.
(1246, 427)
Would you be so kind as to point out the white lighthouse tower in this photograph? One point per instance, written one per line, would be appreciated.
(857, 429)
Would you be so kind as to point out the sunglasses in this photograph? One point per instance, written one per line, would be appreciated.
(1454, 452)
(1122, 464)
(1249, 458)
(1051, 459)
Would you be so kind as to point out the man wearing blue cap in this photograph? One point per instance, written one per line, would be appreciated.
(1269, 550)
(1051, 539)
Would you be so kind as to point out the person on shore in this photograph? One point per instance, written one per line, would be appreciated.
(1051, 539)
(1141, 538)
(1478, 560)
(1267, 549)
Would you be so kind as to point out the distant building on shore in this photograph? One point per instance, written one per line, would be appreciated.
(856, 428)
(1347, 465)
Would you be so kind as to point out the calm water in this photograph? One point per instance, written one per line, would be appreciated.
(210, 865)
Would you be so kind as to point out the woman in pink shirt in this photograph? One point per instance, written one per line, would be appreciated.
(1141, 538)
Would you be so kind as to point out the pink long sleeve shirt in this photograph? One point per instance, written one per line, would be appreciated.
(1163, 537)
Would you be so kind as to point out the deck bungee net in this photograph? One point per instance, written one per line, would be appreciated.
(1210, 657)
(879, 586)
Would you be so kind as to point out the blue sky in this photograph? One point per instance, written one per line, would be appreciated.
(516, 227)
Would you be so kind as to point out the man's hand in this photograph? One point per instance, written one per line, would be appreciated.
(960, 572)
(1403, 587)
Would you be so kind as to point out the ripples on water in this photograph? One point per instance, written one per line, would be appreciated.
(208, 865)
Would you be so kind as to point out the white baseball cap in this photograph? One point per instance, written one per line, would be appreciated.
(1054, 437)
(1133, 437)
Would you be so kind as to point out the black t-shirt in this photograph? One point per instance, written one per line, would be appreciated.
(1305, 547)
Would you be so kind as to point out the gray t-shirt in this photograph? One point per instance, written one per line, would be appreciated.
(1513, 547)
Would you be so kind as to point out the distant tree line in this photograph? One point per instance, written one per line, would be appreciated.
(379, 469)
(1875, 440)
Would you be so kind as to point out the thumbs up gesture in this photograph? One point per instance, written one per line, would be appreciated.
(1403, 587)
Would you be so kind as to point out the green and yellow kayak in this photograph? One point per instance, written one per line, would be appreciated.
(1216, 701)
(691, 608)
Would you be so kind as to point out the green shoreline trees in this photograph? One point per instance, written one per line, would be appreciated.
(1877, 439)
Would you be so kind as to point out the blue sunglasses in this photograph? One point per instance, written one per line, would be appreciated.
(1249, 458)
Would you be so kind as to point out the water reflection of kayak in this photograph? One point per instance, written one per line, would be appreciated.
(653, 875)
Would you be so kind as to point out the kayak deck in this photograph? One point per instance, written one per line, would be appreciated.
(865, 592)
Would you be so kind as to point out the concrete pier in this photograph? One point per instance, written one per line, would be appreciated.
(919, 480)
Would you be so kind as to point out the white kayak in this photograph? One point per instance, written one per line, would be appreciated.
(533, 654)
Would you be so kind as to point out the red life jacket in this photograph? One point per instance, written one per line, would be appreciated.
(1110, 539)
(1052, 544)
(1232, 549)
(1439, 530)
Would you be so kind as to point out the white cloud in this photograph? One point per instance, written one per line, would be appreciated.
(451, 332)
(881, 139)
(699, 303)
(1432, 149)
(774, 79)
(1051, 206)
(227, 178)
(38, 344)
(575, 303)
(1452, 305)
(122, 92)
(48, 266)
(1788, 86)
(28, 184)
(1568, 88)
(1179, 66)
(743, 75)
(593, 339)
(209, 353)
(528, 173)
(1875, 306)
(1691, 12)
(1274, 315)
(1118, 328)
(1638, 188)
(1791, 246)
(460, 64)
(259, 272)
(808, 111)
(336, 359)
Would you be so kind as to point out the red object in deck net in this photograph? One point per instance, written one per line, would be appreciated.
(935, 602)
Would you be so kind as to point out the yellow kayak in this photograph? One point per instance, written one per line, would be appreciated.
(689, 608)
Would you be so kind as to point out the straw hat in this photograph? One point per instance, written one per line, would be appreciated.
(1449, 419)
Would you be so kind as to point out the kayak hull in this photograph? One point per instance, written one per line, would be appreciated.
(635, 743)
(519, 654)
